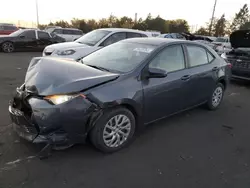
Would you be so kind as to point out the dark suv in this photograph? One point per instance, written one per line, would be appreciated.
(239, 56)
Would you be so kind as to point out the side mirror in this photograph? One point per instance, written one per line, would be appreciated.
(157, 73)
(22, 36)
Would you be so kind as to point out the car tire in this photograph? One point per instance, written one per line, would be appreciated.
(8, 47)
(216, 97)
(116, 124)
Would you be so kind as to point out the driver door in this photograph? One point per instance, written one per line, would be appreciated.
(27, 40)
(165, 96)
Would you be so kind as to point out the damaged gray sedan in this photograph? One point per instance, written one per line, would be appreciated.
(115, 90)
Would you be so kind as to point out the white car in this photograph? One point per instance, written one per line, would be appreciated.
(91, 42)
(222, 44)
(69, 34)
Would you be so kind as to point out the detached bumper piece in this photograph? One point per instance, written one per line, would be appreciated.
(57, 126)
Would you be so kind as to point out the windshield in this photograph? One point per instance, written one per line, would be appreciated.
(221, 39)
(119, 57)
(16, 33)
(93, 37)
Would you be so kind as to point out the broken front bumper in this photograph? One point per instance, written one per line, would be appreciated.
(63, 124)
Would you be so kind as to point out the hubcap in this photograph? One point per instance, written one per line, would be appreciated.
(217, 96)
(116, 131)
(8, 47)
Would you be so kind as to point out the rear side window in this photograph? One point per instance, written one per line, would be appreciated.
(43, 35)
(29, 34)
(9, 28)
(67, 32)
(143, 35)
(210, 57)
(58, 31)
(77, 32)
(133, 35)
(196, 55)
(114, 38)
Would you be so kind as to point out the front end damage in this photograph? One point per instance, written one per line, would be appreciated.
(57, 126)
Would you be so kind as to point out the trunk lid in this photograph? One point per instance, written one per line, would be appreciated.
(240, 39)
(50, 76)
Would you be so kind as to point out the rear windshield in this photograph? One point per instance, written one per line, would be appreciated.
(119, 57)
(221, 39)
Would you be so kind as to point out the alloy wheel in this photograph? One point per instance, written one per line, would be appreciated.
(8, 47)
(217, 96)
(116, 131)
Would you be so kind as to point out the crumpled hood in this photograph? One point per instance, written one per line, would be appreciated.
(240, 39)
(49, 76)
(66, 46)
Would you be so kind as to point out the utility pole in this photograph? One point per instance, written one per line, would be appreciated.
(212, 19)
(37, 15)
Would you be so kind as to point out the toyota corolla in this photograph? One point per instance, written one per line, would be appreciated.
(112, 92)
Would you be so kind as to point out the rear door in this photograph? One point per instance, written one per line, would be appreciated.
(44, 40)
(202, 69)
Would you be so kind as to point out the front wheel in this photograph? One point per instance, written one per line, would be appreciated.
(114, 130)
(216, 97)
(8, 47)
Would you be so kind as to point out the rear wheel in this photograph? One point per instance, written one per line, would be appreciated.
(114, 130)
(216, 97)
(8, 47)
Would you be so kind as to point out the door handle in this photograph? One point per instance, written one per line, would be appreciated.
(215, 69)
(186, 77)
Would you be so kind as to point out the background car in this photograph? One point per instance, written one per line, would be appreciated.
(28, 39)
(239, 56)
(69, 34)
(91, 42)
(116, 90)
(221, 44)
(6, 29)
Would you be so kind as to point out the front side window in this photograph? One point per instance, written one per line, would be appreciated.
(58, 31)
(133, 35)
(93, 37)
(170, 59)
(29, 34)
(114, 38)
(197, 56)
(119, 57)
(68, 32)
(43, 35)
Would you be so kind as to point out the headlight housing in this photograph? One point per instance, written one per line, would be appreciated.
(59, 99)
(66, 52)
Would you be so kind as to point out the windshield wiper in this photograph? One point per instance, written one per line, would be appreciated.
(99, 68)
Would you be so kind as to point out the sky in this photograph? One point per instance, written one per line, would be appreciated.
(196, 12)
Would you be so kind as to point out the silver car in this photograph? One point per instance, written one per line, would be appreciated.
(91, 42)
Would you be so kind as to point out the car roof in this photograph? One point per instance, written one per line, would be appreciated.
(154, 40)
(123, 29)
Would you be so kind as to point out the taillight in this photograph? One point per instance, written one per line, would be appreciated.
(229, 65)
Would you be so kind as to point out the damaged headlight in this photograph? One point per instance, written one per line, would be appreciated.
(59, 99)
(66, 52)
